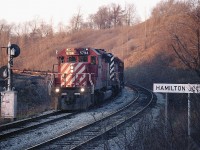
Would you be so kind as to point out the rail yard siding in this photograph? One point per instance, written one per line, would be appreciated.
(176, 88)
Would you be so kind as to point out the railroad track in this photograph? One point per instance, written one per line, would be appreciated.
(83, 136)
(24, 125)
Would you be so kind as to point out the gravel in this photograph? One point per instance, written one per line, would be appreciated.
(127, 136)
(50, 131)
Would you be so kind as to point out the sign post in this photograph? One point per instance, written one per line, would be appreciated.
(189, 115)
(166, 112)
(178, 88)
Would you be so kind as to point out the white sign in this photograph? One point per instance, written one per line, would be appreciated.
(176, 88)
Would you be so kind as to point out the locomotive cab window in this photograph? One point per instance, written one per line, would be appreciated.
(93, 60)
(71, 59)
(83, 58)
(61, 59)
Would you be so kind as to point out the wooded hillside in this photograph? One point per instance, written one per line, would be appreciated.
(164, 48)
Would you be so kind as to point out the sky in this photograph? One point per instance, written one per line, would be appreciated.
(56, 11)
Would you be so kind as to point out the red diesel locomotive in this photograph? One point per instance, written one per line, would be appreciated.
(86, 76)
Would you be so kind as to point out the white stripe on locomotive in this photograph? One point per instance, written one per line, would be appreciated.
(69, 79)
(112, 58)
(81, 71)
(112, 68)
(65, 73)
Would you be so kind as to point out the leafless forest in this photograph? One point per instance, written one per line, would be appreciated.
(163, 49)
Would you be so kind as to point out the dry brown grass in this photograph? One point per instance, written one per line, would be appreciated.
(41, 53)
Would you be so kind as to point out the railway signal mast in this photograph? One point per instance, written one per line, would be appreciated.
(9, 96)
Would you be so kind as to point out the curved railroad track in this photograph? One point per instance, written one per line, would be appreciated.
(28, 132)
(24, 125)
(83, 136)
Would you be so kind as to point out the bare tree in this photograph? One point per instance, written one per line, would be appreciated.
(117, 15)
(186, 39)
(34, 26)
(5, 32)
(76, 21)
(113, 16)
(46, 29)
(90, 22)
(130, 14)
(102, 18)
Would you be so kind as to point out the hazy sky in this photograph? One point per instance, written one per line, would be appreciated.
(15, 11)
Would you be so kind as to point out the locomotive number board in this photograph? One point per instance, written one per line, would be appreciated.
(80, 51)
(83, 51)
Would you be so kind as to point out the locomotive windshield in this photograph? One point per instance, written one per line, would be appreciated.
(61, 59)
(83, 58)
(71, 59)
(75, 59)
(93, 60)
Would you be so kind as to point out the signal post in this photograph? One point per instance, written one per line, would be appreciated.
(9, 96)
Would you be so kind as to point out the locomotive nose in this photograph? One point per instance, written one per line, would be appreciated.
(74, 74)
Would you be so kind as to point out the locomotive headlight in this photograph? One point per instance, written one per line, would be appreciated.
(82, 89)
(57, 90)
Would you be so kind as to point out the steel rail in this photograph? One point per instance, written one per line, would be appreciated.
(77, 130)
(21, 126)
(92, 139)
(24, 121)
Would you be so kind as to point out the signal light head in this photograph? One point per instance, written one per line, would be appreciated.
(14, 50)
(4, 72)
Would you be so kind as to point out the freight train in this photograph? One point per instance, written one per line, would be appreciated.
(85, 77)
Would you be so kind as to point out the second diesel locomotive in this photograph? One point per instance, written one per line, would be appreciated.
(85, 76)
